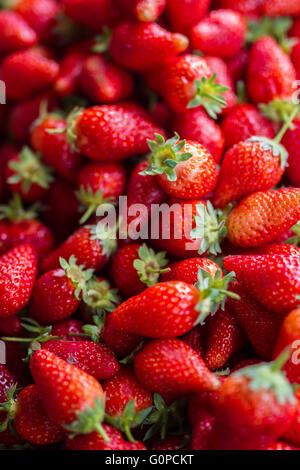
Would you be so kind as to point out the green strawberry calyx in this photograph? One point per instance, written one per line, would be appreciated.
(210, 228)
(209, 94)
(89, 420)
(149, 265)
(100, 297)
(276, 27)
(94, 331)
(77, 274)
(107, 237)
(102, 41)
(15, 212)
(90, 201)
(28, 170)
(213, 293)
(9, 409)
(278, 110)
(269, 376)
(129, 419)
(70, 128)
(295, 240)
(165, 155)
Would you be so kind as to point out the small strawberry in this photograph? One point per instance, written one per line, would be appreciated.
(16, 33)
(183, 14)
(171, 367)
(69, 330)
(148, 45)
(262, 217)
(289, 337)
(95, 441)
(144, 10)
(187, 270)
(67, 81)
(221, 33)
(18, 270)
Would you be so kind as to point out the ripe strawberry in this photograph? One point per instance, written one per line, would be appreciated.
(100, 299)
(94, 359)
(260, 324)
(289, 337)
(280, 8)
(293, 433)
(99, 183)
(221, 33)
(263, 216)
(195, 339)
(27, 176)
(69, 285)
(18, 270)
(172, 368)
(11, 326)
(270, 72)
(37, 74)
(54, 148)
(144, 10)
(70, 69)
(289, 141)
(120, 342)
(273, 280)
(95, 441)
(148, 45)
(257, 400)
(31, 420)
(68, 394)
(187, 270)
(196, 125)
(69, 329)
(136, 267)
(90, 13)
(225, 337)
(237, 66)
(113, 132)
(40, 15)
(183, 14)
(15, 33)
(246, 7)
(243, 122)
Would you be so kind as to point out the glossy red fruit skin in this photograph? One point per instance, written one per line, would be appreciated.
(288, 337)
(270, 72)
(16, 34)
(11, 326)
(110, 178)
(41, 15)
(183, 14)
(31, 420)
(196, 125)
(71, 65)
(187, 270)
(121, 389)
(293, 433)
(120, 342)
(144, 10)
(124, 274)
(95, 441)
(172, 368)
(94, 359)
(219, 67)
(18, 270)
(289, 142)
(68, 329)
(114, 132)
(221, 33)
(246, 7)
(93, 14)
(238, 65)
(243, 122)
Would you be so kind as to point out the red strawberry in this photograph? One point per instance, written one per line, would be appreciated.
(246, 7)
(187, 270)
(196, 125)
(15, 33)
(185, 13)
(93, 14)
(147, 45)
(144, 10)
(243, 122)
(37, 74)
(289, 337)
(221, 33)
(7, 389)
(270, 72)
(68, 394)
(31, 420)
(280, 8)
(95, 441)
(94, 359)
(263, 216)
(255, 406)
(11, 326)
(289, 141)
(195, 339)
(293, 433)
(54, 147)
(113, 132)
(18, 270)
(273, 280)
(57, 293)
(70, 69)
(172, 368)
(40, 14)
(120, 342)
(169, 443)
(184, 169)
(68, 329)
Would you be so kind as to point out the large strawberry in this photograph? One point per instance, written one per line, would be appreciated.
(144, 10)
(15, 33)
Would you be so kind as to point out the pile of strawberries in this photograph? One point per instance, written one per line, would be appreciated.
(162, 333)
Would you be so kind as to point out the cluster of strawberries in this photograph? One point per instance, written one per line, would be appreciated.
(113, 342)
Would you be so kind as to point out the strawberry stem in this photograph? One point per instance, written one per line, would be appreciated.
(149, 265)
(209, 94)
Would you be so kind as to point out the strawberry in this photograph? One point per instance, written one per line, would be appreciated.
(238, 64)
(273, 280)
(100, 299)
(90, 13)
(281, 446)
(40, 15)
(94, 359)
(293, 167)
(27, 176)
(103, 81)
(289, 336)
(31, 420)
(7, 390)
(18, 270)
(187, 270)
(270, 72)
(257, 400)
(169, 443)
(136, 267)
(70, 69)
(148, 45)
(99, 183)
(243, 122)
(54, 148)
(260, 324)
(172, 368)
(95, 441)
(271, 213)
(208, 35)
(11, 326)
(183, 14)
(293, 433)
(278, 8)
(68, 330)
(184, 169)
(144, 10)
(69, 285)
(16, 33)
(195, 339)
(37, 74)
(72, 398)
(246, 7)
(225, 337)
(120, 342)
(196, 125)
(202, 432)
(113, 132)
